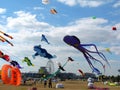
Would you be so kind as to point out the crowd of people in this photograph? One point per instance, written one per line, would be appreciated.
(46, 83)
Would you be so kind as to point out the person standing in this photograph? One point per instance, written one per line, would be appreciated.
(50, 83)
(45, 83)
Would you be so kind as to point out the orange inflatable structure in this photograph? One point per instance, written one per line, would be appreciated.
(10, 75)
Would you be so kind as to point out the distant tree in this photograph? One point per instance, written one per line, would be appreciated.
(113, 78)
(117, 78)
(119, 70)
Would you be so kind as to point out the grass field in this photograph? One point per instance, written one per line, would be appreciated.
(68, 85)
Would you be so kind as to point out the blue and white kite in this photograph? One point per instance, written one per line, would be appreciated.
(44, 39)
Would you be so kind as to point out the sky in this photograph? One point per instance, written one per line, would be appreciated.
(27, 20)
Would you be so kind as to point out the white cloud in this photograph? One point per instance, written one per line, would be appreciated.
(87, 29)
(116, 50)
(26, 21)
(2, 10)
(68, 2)
(84, 3)
(27, 30)
(38, 8)
(84, 29)
(117, 4)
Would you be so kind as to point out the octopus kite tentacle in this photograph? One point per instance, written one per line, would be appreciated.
(91, 65)
(99, 53)
(88, 60)
(94, 59)
(89, 56)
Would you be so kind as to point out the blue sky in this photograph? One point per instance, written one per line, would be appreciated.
(27, 20)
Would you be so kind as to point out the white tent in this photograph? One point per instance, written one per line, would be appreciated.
(59, 85)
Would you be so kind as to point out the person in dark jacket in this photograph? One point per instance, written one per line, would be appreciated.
(45, 83)
(50, 83)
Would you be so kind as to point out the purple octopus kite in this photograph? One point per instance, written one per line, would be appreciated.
(75, 42)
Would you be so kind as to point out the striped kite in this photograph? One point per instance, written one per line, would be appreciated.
(4, 39)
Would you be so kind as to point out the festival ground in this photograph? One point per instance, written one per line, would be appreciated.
(68, 85)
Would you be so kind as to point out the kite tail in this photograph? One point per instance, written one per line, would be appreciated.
(9, 43)
(6, 34)
(96, 70)
(94, 59)
(3, 39)
(99, 53)
(90, 63)
(54, 56)
(97, 61)
(88, 60)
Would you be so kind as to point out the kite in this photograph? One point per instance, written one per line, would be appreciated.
(4, 39)
(81, 72)
(60, 67)
(42, 52)
(108, 50)
(44, 39)
(53, 11)
(75, 42)
(27, 60)
(15, 64)
(114, 28)
(70, 59)
(54, 74)
(7, 58)
(6, 35)
(94, 17)
(96, 71)
(1, 54)
(1, 39)
(45, 1)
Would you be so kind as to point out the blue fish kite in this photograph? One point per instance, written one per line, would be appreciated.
(44, 39)
(42, 52)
